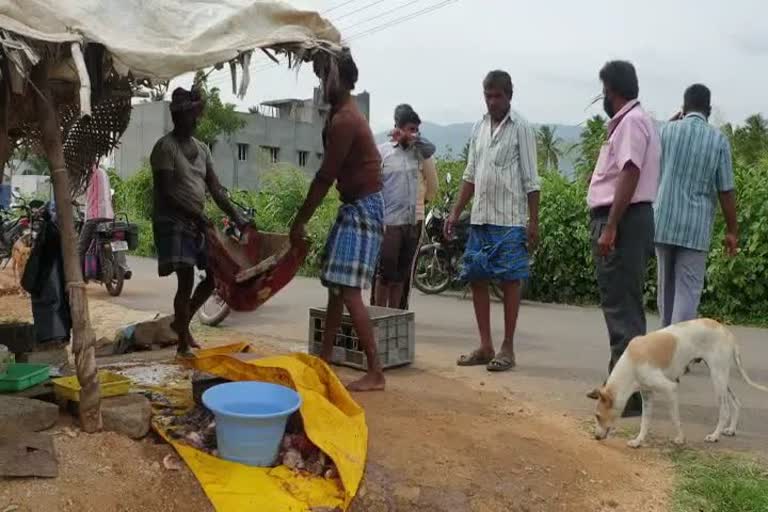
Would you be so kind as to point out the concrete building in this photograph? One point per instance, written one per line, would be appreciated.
(276, 132)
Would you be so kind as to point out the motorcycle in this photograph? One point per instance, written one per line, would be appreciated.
(13, 227)
(438, 262)
(105, 260)
(215, 310)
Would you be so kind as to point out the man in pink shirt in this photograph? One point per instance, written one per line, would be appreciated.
(621, 194)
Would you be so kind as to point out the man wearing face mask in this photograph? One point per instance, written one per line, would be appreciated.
(621, 194)
(402, 163)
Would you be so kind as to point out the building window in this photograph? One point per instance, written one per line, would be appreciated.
(303, 155)
(274, 153)
(319, 156)
(242, 152)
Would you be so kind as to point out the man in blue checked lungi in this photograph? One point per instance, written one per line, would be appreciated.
(501, 176)
(352, 249)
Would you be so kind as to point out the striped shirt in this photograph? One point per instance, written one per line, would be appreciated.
(695, 166)
(502, 167)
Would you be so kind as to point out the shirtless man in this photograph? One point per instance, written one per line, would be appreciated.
(352, 161)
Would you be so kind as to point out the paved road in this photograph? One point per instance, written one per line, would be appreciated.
(562, 351)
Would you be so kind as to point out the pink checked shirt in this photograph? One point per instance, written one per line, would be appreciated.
(99, 196)
(633, 138)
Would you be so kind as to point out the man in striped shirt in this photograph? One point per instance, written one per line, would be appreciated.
(501, 176)
(696, 171)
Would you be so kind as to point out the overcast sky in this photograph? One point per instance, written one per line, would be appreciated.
(552, 48)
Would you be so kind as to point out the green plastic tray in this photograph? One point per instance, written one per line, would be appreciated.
(21, 376)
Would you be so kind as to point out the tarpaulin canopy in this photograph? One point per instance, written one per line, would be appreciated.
(164, 38)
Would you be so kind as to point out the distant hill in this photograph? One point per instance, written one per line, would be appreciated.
(450, 139)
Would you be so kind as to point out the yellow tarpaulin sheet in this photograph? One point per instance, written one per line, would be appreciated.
(332, 420)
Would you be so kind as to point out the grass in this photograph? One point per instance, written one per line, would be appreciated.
(718, 483)
(709, 482)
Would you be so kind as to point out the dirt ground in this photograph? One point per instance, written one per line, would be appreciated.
(436, 444)
(439, 446)
(107, 472)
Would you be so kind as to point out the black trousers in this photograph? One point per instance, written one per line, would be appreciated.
(621, 275)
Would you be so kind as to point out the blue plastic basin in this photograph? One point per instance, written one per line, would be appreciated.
(250, 419)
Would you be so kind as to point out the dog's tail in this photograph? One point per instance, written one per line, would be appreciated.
(740, 366)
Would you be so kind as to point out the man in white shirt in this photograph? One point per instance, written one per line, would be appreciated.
(501, 175)
(402, 159)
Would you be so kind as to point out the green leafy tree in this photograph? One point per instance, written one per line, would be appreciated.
(727, 130)
(219, 118)
(591, 140)
(26, 156)
(751, 140)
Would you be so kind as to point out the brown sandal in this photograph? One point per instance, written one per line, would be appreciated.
(475, 358)
(501, 363)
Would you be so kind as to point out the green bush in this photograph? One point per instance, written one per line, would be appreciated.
(563, 269)
(735, 288)
(133, 197)
(278, 200)
(276, 203)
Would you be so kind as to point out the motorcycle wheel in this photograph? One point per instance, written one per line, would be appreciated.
(213, 311)
(433, 273)
(114, 275)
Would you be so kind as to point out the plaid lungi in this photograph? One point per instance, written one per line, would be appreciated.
(353, 245)
(178, 246)
(495, 253)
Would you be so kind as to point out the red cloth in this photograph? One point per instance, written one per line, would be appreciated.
(249, 295)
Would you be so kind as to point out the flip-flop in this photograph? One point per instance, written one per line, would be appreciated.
(501, 363)
(475, 358)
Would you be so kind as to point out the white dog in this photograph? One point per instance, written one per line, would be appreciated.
(654, 363)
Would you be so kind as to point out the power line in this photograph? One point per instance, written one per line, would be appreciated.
(369, 31)
(257, 67)
(380, 15)
(342, 4)
(400, 20)
(261, 66)
(363, 8)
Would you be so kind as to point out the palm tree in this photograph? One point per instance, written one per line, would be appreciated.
(591, 140)
(549, 147)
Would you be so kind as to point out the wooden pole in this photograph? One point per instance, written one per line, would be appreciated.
(5, 112)
(82, 335)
